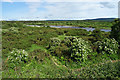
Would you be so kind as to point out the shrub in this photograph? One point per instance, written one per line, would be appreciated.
(68, 40)
(97, 34)
(108, 70)
(48, 26)
(115, 32)
(38, 55)
(72, 47)
(19, 24)
(17, 57)
(108, 46)
(60, 32)
(13, 29)
(61, 50)
(80, 49)
(54, 42)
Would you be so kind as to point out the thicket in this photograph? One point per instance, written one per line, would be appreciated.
(78, 48)
(97, 35)
(107, 46)
(17, 57)
(115, 32)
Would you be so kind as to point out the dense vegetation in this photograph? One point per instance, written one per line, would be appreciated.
(45, 52)
(115, 33)
(77, 23)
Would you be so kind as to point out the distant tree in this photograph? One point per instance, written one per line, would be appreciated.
(115, 32)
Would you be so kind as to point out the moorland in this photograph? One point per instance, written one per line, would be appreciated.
(47, 52)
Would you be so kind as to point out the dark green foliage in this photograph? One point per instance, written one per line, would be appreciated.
(62, 50)
(115, 32)
(106, 70)
(54, 42)
(76, 32)
(56, 47)
(38, 55)
(68, 40)
(97, 35)
(7, 24)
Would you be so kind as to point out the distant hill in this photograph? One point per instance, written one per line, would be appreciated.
(103, 19)
(97, 19)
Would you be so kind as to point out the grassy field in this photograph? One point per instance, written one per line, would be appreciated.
(59, 52)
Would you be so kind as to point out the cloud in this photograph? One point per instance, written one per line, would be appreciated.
(33, 6)
(107, 4)
(63, 0)
(7, 1)
(32, 0)
(76, 10)
(70, 10)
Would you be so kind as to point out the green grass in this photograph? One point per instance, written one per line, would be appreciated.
(46, 69)
(35, 47)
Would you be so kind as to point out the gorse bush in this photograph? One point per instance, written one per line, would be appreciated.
(80, 49)
(68, 40)
(76, 48)
(13, 29)
(108, 46)
(17, 57)
(54, 42)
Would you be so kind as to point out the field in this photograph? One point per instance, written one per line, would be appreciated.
(45, 52)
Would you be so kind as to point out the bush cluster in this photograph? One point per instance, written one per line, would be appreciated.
(115, 30)
(79, 48)
(76, 48)
(107, 46)
(17, 57)
(108, 70)
(54, 42)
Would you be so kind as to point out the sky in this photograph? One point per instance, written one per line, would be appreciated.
(58, 10)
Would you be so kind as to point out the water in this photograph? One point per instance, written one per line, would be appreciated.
(88, 29)
(34, 25)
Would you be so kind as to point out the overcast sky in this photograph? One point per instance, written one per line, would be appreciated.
(58, 9)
